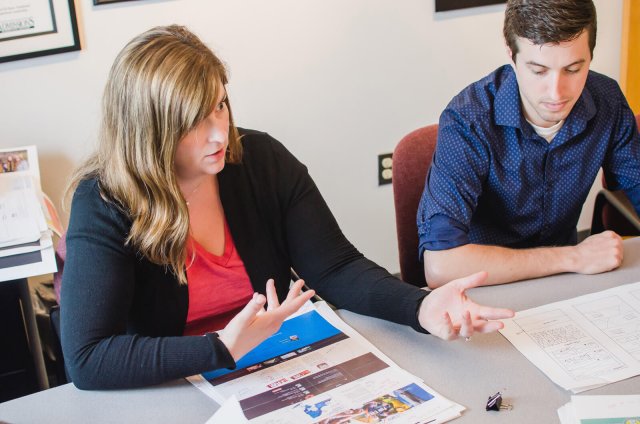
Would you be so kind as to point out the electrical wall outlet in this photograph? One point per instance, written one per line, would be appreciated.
(385, 163)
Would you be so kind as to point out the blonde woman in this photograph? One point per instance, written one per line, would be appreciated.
(179, 220)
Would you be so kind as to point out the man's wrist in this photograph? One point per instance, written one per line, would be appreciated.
(568, 256)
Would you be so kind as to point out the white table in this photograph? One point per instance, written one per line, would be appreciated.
(469, 372)
(466, 372)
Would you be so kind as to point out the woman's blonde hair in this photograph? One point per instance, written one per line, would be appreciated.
(160, 87)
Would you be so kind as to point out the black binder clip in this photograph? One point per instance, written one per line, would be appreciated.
(495, 403)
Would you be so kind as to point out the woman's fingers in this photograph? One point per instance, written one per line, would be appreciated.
(447, 330)
(473, 280)
(253, 324)
(251, 309)
(295, 299)
(488, 312)
(295, 289)
(272, 296)
(292, 305)
(466, 326)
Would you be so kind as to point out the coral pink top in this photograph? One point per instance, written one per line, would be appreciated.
(219, 286)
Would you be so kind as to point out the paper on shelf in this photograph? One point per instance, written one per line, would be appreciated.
(26, 248)
(21, 218)
(44, 242)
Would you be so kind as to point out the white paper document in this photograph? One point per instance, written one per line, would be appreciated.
(44, 242)
(317, 369)
(21, 217)
(584, 342)
(26, 247)
(22, 18)
(624, 409)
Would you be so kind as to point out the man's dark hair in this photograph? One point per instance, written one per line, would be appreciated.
(548, 21)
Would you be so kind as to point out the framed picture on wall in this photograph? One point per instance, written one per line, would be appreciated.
(32, 28)
(97, 2)
(446, 5)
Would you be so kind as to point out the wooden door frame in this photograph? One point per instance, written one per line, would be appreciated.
(630, 54)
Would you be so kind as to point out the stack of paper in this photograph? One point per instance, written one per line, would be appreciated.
(26, 247)
(601, 410)
(317, 369)
(584, 342)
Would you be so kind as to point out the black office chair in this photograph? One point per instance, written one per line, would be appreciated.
(62, 376)
(613, 211)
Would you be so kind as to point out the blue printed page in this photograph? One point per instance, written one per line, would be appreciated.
(297, 336)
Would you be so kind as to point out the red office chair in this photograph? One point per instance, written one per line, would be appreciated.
(411, 161)
(613, 211)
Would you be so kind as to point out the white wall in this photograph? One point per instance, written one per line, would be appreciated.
(338, 82)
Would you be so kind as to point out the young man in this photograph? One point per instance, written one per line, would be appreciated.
(519, 150)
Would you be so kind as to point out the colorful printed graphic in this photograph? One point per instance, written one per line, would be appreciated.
(315, 410)
(382, 407)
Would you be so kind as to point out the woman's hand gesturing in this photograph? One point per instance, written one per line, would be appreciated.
(254, 324)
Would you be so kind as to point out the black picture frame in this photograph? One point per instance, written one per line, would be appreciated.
(101, 2)
(447, 5)
(51, 29)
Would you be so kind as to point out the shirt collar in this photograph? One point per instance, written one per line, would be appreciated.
(585, 107)
(508, 111)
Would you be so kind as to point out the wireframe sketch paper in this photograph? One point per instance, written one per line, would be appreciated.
(584, 342)
(316, 369)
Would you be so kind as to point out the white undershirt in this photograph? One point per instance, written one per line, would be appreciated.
(547, 133)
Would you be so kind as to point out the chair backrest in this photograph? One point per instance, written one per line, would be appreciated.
(610, 217)
(411, 161)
